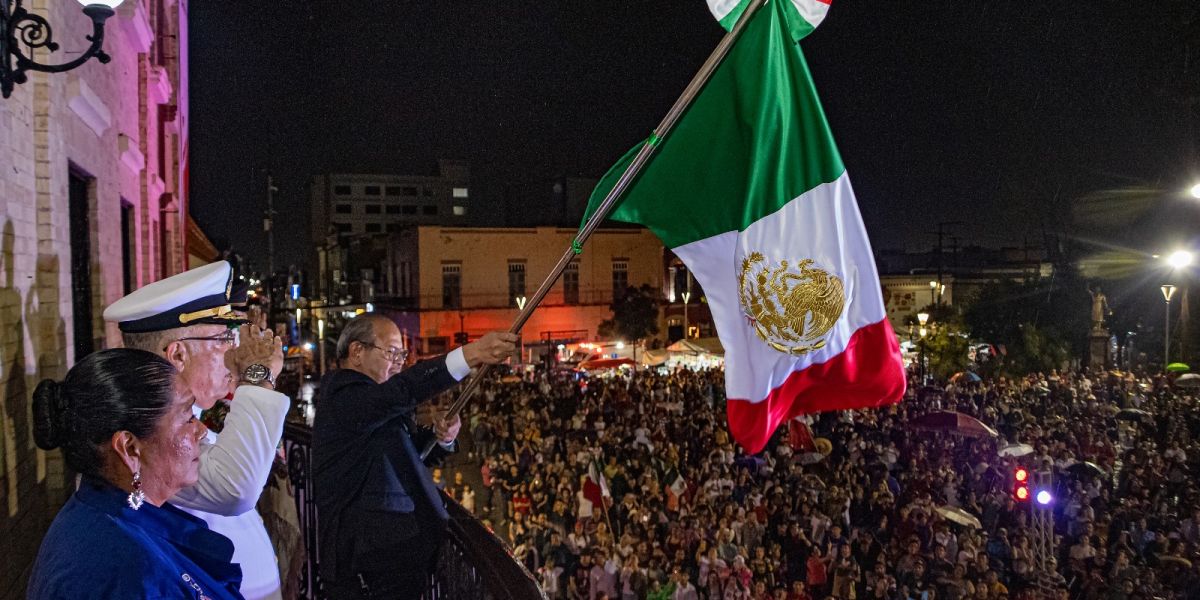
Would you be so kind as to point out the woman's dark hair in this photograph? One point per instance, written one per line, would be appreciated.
(121, 389)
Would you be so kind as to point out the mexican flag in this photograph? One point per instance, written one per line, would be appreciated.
(750, 192)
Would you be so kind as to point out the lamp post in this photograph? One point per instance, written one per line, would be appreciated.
(321, 344)
(1196, 191)
(933, 293)
(1167, 291)
(20, 27)
(923, 319)
(686, 296)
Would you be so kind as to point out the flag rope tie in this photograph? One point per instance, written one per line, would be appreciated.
(576, 246)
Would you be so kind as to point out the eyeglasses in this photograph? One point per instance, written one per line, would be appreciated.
(396, 355)
(229, 338)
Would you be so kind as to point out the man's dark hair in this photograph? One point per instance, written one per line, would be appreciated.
(360, 329)
(121, 389)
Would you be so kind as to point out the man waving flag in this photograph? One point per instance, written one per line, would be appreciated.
(750, 191)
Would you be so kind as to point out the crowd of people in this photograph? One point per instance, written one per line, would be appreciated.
(629, 487)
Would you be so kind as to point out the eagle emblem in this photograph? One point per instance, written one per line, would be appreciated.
(790, 307)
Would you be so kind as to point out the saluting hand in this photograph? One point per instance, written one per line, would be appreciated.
(256, 346)
(491, 349)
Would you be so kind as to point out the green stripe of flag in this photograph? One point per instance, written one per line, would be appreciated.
(754, 139)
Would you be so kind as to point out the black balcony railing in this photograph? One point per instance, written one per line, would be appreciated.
(472, 564)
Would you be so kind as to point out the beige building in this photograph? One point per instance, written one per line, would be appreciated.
(92, 205)
(441, 281)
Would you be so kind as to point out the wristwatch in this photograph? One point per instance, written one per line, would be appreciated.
(256, 374)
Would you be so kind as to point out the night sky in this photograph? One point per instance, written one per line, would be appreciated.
(1020, 118)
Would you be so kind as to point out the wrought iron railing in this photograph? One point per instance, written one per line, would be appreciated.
(472, 564)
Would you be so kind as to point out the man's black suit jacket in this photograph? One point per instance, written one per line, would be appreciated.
(372, 491)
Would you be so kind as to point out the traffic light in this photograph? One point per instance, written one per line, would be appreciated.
(1021, 484)
(460, 338)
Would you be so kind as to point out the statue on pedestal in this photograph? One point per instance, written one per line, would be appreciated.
(1100, 309)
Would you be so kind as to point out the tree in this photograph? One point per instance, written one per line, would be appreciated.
(946, 350)
(635, 315)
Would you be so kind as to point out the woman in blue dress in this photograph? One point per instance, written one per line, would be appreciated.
(124, 422)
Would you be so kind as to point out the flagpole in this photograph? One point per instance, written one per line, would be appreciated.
(631, 172)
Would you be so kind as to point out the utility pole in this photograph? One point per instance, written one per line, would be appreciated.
(269, 227)
(941, 234)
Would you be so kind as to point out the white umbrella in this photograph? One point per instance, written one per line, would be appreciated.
(1016, 450)
(1190, 380)
(960, 516)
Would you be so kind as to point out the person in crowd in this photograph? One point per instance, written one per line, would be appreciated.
(124, 421)
(187, 320)
(382, 521)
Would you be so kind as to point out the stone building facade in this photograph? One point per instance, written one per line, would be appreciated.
(93, 204)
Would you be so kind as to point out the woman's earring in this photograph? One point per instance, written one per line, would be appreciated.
(137, 496)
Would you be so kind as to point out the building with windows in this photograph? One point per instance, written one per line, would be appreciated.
(442, 281)
(363, 204)
(93, 204)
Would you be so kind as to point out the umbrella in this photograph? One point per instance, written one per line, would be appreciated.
(1132, 414)
(808, 458)
(1191, 380)
(1178, 368)
(1179, 560)
(1016, 450)
(968, 376)
(960, 516)
(1086, 468)
(955, 423)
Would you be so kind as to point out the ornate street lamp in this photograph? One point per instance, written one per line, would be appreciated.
(21, 27)
(1167, 291)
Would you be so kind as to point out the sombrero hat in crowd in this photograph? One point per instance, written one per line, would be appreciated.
(823, 445)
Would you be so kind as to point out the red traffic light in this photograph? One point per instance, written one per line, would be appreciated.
(1021, 475)
(1022, 493)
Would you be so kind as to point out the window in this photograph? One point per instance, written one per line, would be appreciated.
(460, 211)
(371, 190)
(128, 274)
(392, 190)
(429, 209)
(341, 190)
(460, 192)
(342, 227)
(408, 210)
(80, 189)
(394, 227)
(570, 281)
(393, 209)
(342, 209)
(516, 281)
(451, 285)
(409, 190)
(374, 227)
(374, 209)
(620, 277)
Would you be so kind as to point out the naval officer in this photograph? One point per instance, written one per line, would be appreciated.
(187, 320)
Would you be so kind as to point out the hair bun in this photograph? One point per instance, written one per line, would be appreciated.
(49, 410)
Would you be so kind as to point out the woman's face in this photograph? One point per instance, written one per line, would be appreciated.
(170, 456)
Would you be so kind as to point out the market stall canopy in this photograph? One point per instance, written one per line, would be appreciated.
(606, 363)
(653, 358)
(954, 423)
(698, 347)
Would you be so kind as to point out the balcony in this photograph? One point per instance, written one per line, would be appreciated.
(474, 563)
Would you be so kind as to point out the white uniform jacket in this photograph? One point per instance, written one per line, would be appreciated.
(233, 470)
